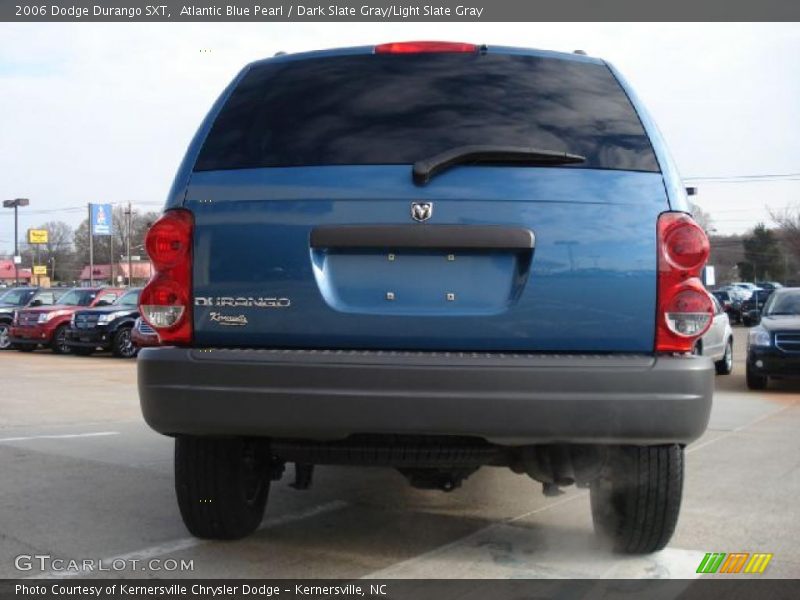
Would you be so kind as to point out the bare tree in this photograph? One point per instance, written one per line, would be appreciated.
(702, 217)
(57, 254)
(788, 221)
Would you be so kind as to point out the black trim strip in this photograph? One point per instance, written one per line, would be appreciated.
(451, 237)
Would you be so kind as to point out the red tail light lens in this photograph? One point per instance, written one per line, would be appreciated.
(168, 240)
(422, 47)
(685, 243)
(165, 302)
(685, 310)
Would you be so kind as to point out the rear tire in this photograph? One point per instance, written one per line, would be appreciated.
(222, 485)
(59, 343)
(725, 366)
(635, 503)
(755, 381)
(122, 346)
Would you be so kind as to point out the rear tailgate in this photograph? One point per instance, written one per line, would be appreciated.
(307, 219)
(588, 284)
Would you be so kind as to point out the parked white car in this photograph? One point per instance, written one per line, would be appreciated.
(717, 343)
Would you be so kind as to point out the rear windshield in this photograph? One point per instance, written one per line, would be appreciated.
(398, 109)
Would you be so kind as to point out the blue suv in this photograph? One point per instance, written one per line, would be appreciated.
(432, 257)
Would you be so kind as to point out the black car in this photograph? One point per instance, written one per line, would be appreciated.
(108, 327)
(773, 348)
(753, 305)
(731, 303)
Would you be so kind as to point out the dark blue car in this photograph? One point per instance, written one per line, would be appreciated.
(432, 257)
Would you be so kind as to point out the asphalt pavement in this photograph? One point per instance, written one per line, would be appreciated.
(83, 479)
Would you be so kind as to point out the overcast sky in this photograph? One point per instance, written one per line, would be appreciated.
(95, 112)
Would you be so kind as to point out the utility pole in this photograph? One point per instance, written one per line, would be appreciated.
(91, 249)
(129, 215)
(15, 204)
(111, 257)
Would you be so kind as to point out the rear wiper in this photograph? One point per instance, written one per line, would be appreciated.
(426, 168)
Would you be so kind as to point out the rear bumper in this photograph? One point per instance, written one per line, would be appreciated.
(506, 399)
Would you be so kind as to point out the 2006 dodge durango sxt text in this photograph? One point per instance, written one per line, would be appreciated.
(435, 257)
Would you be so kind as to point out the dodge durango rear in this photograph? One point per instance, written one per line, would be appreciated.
(433, 257)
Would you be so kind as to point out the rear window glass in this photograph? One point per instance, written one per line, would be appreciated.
(397, 109)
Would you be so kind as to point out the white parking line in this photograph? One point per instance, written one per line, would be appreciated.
(174, 546)
(59, 437)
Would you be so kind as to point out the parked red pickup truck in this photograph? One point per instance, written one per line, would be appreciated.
(47, 325)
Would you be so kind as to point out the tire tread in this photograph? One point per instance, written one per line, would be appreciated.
(640, 512)
(207, 484)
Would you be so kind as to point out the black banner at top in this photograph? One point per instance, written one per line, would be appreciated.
(397, 11)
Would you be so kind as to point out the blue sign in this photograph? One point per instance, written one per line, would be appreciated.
(101, 219)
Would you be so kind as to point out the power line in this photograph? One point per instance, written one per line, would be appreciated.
(745, 178)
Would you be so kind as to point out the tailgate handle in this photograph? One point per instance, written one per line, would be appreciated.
(449, 237)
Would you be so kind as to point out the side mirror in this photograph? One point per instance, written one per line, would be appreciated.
(754, 316)
(102, 303)
(36, 302)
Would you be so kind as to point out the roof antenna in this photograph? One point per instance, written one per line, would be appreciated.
(581, 52)
(281, 53)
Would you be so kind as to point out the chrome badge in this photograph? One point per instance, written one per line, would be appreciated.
(421, 211)
(248, 302)
(228, 320)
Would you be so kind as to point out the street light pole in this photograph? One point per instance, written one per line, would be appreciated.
(130, 264)
(15, 204)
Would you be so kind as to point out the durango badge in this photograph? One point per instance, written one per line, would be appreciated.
(249, 301)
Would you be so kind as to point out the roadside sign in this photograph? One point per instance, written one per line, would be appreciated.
(37, 236)
(101, 219)
(17, 260)
(709, 276)
(40, 269)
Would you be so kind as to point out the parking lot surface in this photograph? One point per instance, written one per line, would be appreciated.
(83, 478)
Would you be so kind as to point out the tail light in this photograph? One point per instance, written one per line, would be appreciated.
(685, 310)
(165, 302)
(423, 47)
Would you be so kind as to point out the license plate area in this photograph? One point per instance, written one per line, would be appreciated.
(421, 282)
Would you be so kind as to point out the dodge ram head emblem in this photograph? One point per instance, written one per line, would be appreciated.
(421, 211)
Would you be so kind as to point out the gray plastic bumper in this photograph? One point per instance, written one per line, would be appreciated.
(504, 398)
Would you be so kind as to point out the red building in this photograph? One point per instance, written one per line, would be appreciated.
(142, 270)
(7, 272)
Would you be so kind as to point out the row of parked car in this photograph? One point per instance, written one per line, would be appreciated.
(74, 320)
(743, 301)
(772, 312)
